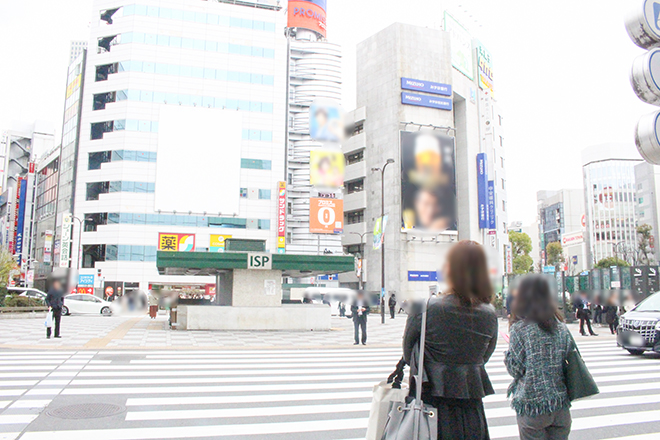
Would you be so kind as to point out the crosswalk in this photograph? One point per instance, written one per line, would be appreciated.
(277, 394)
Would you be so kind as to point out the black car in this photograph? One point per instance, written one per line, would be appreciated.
(639, 329)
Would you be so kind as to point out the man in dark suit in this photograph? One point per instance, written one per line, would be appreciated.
(360, 311)
(392, 305)
(55, 300)
(583, 313)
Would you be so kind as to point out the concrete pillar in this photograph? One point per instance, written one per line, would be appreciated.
(257, 288)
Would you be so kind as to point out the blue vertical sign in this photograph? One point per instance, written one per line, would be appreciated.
(491, 205)
(482, 190)
(21, 217)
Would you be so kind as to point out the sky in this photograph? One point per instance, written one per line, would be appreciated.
(561, 72)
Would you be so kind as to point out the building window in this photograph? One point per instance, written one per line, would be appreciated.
(501, 141)
(356, 157)
(106, 15)
(264, 194)
(101, 99)
(103, 71)
(92, 221)
(256, 164)
(99, 128)
(91, 254)
(503, 205)
(355, 186)
(502, 161)
(96, 159)
(354, 217)
(502, 180)
(641, 200)
(105, 43)
(94, 189)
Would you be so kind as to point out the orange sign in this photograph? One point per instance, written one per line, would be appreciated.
(86, 290)
(306, 15)
(326, 216)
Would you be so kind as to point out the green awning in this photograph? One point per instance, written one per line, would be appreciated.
(211, 263)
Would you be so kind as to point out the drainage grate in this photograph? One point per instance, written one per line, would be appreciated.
(86, 411)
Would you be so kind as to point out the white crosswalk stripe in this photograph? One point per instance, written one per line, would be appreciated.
(323, 394)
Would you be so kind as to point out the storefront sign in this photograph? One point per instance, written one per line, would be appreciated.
(422, 275)
(426, 101)
(85, 280)
(176, 242)
(65, 246)
(572, 239)
(217, 242)
(482, 189)
(426, 86)
(260, 261)
(85, 290)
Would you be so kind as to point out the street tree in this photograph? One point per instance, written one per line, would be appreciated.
(611, 262)
(7, 267)
(644, 240)
(554, 254)
(521, 246)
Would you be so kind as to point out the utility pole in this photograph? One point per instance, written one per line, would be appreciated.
(382, 246)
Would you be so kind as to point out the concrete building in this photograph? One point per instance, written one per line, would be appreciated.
(454, 124)
(182, 132)
(609, 194)
(647, 202)
(562, 219)
(77, 48)
(314, 66)
(45, 210)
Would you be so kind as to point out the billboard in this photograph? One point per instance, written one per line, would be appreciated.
(482, 189)
(426, 86)
(426, 101)
(281, 217)
(326, 216)
(461, 46)
(572, 238)
(485, 69)
(326, 168)
(176, 242)
(307, 14)
(422, 275)
(428, 187)
(217, 242)
(326, 122)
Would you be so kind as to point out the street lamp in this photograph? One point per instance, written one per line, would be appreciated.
(382, 246)
(362, 269)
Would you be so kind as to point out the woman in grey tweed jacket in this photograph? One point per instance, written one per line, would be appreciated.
(535, 359)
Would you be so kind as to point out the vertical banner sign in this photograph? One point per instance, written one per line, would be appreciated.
(485, 70)
(509, 259)
(48, 245)
(492, 224)
(65, 248)
(379, 231)
(281, 217)
(639, 280)
(29, 209)
(652, 279)
(20, 221)
(482, 190)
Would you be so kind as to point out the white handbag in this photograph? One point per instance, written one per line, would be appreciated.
(49, 319)
(384, 396)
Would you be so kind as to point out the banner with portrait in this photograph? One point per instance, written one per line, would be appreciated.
(428, 185)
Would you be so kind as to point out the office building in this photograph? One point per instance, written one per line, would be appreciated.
(647, 203)
(609, 197)
(77, 48)
(561, 219)
(45, 209)
(314, 66)
(436, 118)
(182, 133)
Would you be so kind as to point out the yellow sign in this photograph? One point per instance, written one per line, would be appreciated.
(168, 242)
(217, 243)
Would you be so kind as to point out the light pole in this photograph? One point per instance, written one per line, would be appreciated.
(362, 263)
(382, 245)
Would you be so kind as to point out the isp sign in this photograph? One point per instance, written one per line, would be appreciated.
(260, 261)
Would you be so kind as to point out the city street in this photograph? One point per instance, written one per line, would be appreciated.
(305, 386)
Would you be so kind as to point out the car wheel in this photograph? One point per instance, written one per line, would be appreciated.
(636, 352)
(105, 311)
(65, 310)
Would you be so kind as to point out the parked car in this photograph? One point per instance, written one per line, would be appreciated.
(87, 304)
(27, 292)
(639, 329)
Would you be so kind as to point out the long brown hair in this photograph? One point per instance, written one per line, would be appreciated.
(468, 273)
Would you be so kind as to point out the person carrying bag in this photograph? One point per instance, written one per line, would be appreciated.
(386, 394)
(413, 420)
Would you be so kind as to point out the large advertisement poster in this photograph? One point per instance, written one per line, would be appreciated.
(307, 14)
(485, 69)
(461, 46)
(428, 187)
(326, 216)
(326, 168)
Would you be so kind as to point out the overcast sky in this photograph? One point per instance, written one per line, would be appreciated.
(561, 72)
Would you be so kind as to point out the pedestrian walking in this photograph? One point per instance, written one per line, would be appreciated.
(598, 312)
(55, 300)
(342, 309)
(611, 311)
(461, 334)
(583, 313)
(509, 300)
(538, 348)
(391, 303)
(359, 312)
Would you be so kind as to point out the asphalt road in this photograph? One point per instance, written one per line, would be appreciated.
(274, 394)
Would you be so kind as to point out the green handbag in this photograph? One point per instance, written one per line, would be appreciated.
(579, 382)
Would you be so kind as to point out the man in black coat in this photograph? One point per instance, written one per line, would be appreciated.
(55, 300)
(360, 311)
(391, 303)
(583, 313)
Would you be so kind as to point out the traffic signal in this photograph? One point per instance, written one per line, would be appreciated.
(643, 26)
